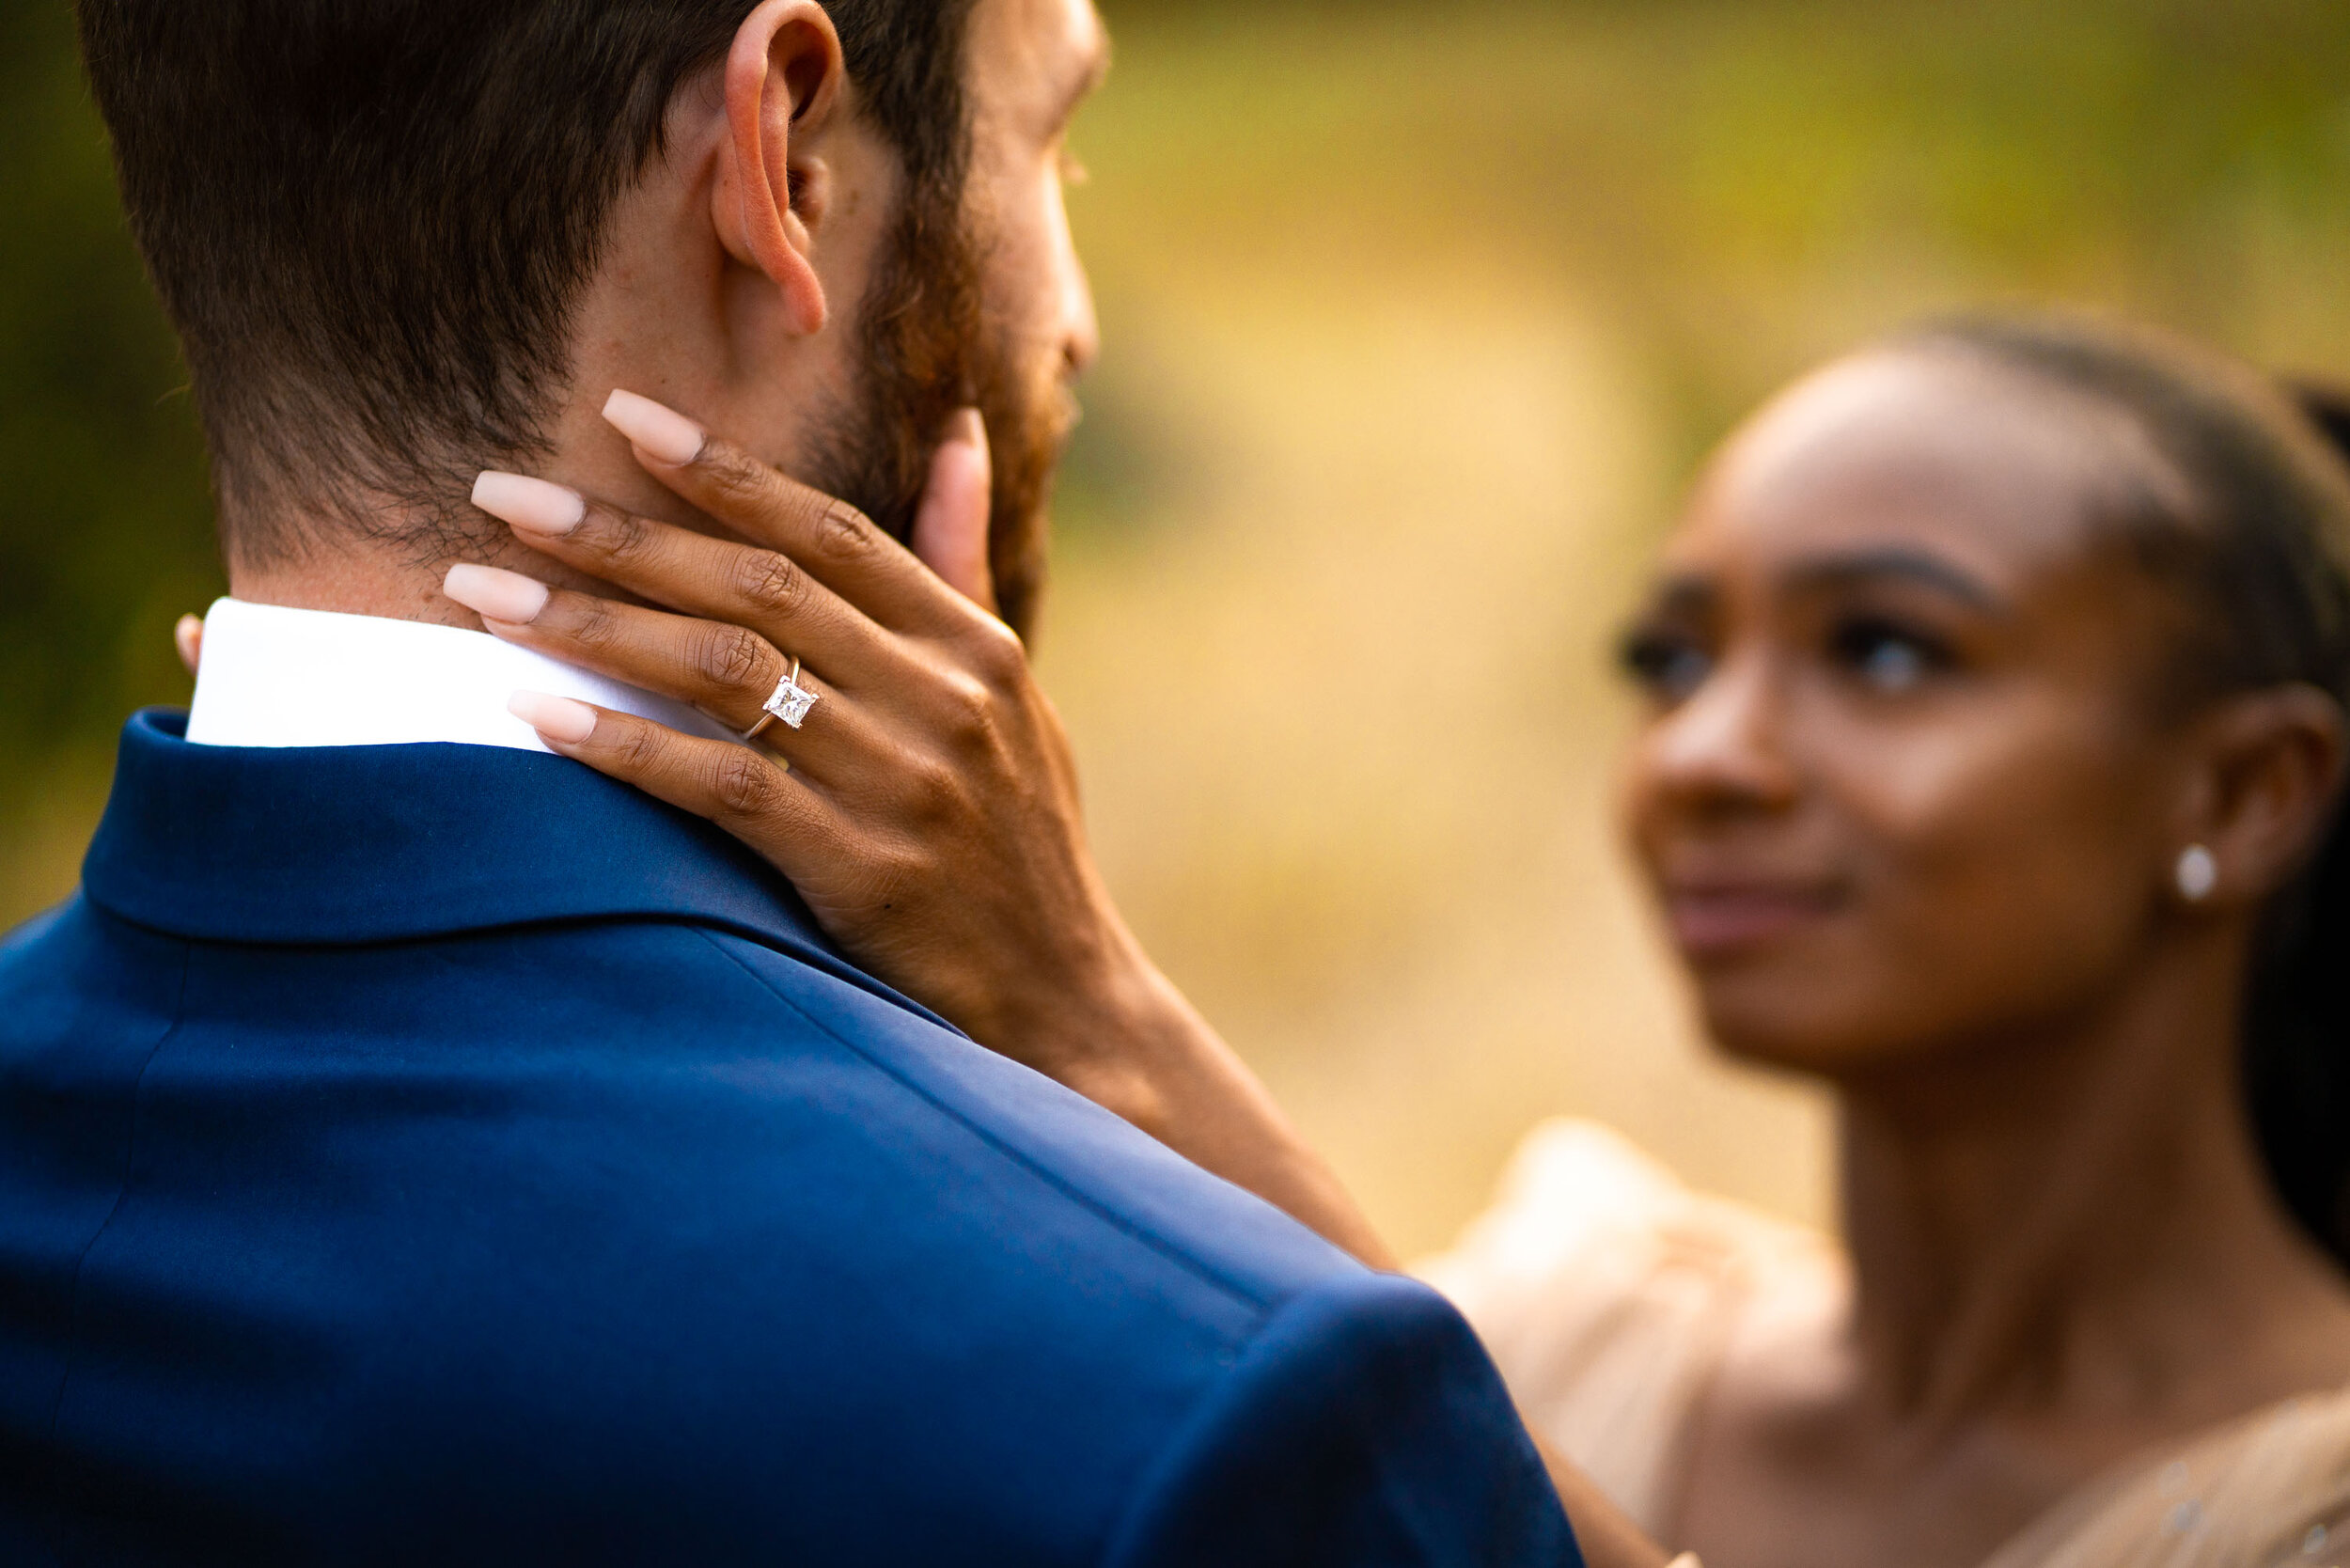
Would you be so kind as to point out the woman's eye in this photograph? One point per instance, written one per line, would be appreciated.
(1886, 657)
(1667, 665)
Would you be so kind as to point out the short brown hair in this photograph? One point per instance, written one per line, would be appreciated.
(371, 243)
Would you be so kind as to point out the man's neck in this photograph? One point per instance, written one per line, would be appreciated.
(392, 583)
(390, 601)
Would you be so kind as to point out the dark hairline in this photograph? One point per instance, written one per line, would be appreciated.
(2170, 523)
(328, 416)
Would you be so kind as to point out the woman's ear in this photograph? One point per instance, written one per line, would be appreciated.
(784, 81)
(2266, 790)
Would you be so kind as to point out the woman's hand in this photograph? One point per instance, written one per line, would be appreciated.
(926, 809)
(928, 813)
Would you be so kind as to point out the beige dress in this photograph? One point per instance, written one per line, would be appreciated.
(1607, 1291)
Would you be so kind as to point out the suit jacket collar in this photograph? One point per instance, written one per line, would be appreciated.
(359, 845)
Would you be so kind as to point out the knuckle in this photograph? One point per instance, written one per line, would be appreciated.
(744, 784)
(843, 532)
(728, 656)
(640, 748)
(735, 476)
(769, 583)
(623, 539)
(593, 623)
(971, 708)
(998, 653)
(934, 792)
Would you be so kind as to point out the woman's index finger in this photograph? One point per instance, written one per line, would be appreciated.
(830, 539)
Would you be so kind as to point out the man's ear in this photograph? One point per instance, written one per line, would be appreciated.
(2266, 788)
(784, 81)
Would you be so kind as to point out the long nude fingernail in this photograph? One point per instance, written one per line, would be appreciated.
(497, 595)
(531, 505)
(661, 433)
(558, 718)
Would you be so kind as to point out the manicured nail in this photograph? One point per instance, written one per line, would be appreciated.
(661, 433)
(531, 505)
(495, 595)
(558, 718)
(965, 427)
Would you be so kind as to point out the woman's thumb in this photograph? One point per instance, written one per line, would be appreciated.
(950, 532)
(188, 637)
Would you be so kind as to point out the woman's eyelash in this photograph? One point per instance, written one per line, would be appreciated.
(1889, 653)
(1668, 663)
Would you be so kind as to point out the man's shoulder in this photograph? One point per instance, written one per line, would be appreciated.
(1069, 1153)
(992, 1151)
(1194, 1374)
(73, 979)
(656, 1196)
(727, 1066)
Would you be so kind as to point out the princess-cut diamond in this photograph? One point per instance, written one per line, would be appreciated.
(792, 703)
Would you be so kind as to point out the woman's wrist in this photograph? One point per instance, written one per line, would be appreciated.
(1115, 1031)
(1135, 1046)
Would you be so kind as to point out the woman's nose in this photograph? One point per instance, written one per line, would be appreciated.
(1724, 748)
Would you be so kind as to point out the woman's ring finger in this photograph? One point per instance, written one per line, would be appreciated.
(789, 706)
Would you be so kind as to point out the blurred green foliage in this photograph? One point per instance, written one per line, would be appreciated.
(104, 524)
(1749, 183)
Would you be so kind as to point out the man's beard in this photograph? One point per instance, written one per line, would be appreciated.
(928, 348)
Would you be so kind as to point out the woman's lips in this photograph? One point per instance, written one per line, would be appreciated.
(1720, 920)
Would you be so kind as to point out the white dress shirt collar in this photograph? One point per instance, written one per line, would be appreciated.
(274, 677)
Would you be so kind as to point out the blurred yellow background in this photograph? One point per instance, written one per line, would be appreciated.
(1417, 320)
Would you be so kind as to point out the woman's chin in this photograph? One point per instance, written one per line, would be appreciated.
(1798, 1021)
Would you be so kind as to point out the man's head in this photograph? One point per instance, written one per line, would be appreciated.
(404, 239)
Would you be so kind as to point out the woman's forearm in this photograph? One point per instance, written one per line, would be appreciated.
(1151, 1058)
(1606, 1533)
(1142, 1051)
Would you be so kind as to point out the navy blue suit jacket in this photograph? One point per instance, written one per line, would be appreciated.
(442, 1154)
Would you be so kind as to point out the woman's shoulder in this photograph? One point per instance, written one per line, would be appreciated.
(1579, 1196)
(2265, 1492)
(1606, 1289)
(1589, 1236)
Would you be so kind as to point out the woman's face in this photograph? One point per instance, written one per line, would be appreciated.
(1903, 785)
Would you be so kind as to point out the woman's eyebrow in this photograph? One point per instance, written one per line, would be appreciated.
(1683, 593)
(1863, 566)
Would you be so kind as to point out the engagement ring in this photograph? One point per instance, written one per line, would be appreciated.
(790, 704)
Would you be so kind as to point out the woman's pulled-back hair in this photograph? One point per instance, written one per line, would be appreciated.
(2259, 556)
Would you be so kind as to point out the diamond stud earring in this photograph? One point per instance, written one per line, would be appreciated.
(2198, 875)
